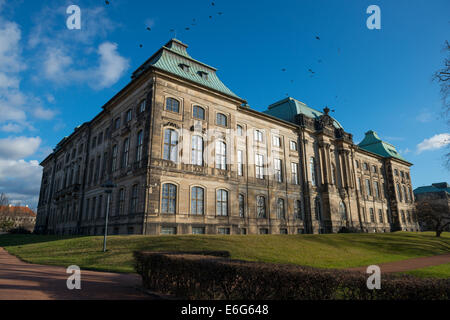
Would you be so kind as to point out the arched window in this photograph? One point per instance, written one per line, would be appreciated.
(198, 113)
(170, 145)
(222, 202)
(172, 105)
(342, 211)
(261, 207)
(221, 155)
(241, 205)
(197, 150)
(197, 201)
(281, 213)
(221, 119)
(298, 210)
(134, 199)
(169, 198)
(317, 209)
(142, 106)
(312, 169)
(115, 151)
(139, 145)
(405, 195)
(403, 216)
(121, 201)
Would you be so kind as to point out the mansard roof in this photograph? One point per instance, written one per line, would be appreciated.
(174, 58)
(435, 187)
(372, 143)
(288, 108)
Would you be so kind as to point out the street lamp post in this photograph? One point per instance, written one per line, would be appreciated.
(108, 190)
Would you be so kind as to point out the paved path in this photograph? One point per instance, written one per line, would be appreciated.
(410, 264)
(24, 281)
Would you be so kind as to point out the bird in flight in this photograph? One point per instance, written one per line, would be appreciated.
(212, 3)
(106, 1)
(219, 13)
(149, 29)
(317, 38)
(187, 28)
(319, 61)
(283, 69)
(140, 46)
(311, 71)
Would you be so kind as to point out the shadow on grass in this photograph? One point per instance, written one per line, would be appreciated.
(7, 240)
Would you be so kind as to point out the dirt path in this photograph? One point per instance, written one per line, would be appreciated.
(410, 264)
(24, 281)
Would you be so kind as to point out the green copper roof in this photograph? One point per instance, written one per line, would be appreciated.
(435, 187)
(374, 144)
(173, 58)
(288, 108)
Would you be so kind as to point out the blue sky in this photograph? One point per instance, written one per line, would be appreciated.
(52, 79)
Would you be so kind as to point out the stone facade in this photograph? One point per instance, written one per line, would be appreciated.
(189, 156)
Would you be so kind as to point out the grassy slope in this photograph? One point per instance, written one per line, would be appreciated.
(440, 271)
(326, 251)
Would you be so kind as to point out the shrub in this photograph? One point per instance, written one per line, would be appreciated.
(194, 276)
(20, 230)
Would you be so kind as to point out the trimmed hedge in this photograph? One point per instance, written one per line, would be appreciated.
(209, 276)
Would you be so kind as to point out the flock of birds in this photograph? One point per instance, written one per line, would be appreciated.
(194, 23)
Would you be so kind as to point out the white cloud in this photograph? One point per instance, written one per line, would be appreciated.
(21, 180)
(112, 65)
(18, 147)
(435, 142)
(56, 63)
(44, 114)
(11, 127)
(10, 36)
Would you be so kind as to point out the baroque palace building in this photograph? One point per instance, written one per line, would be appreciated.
(188, 156)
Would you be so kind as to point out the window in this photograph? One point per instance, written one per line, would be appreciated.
(117, 124)
(94, 144)
(259, 164)
(372, 215)
(408, 216)
(243, 230)
(368, 188)
(198, 230)
(333, 174)
(169, 198)
(170, 145)
(276, 141)
(168, 230)
(197, 201)
(293, 145)
(403, 216)
(100, 138)
(223, 230)
(221, 119)
(125, 152)
(281, 213)
(114, 158)
(241, 205)
(104, 164)
(263, 231)
(298, 210)
(405, 194)
(203, 75)
(342, 211)
(374, 169)
(134, 199)
(198, 113)
(317, 209)
(261, 207)
(128, 115)
(359, 185)
(410, 194)
(240, 163)
(121, 202)
(184, 67)
(376, 189)
(221, 155)
(399, 193)
(364, 214)
(357, 164)
(240, 130)
(222, 203)
(294, 172)
(380, 215)
(283, 231)
(388, 215)
(172, 105)
(312, 169)
(278, 170)
(139, 145)
(402, 174)
(366, 166)
(142, 106)
(197, 150)
(92, 215)
(258, 136)
(396, 172)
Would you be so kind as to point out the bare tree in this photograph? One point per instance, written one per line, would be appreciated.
(4, 201)
(442, 76)
(434, 214)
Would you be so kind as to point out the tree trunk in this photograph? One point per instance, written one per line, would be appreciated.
(438, 233)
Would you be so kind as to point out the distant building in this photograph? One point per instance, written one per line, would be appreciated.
(19, 216)
(188, 156)
(438, 193)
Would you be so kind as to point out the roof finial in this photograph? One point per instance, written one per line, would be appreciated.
(326, 110)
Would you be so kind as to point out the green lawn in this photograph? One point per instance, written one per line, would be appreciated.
(324, 251)
(440, 271)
